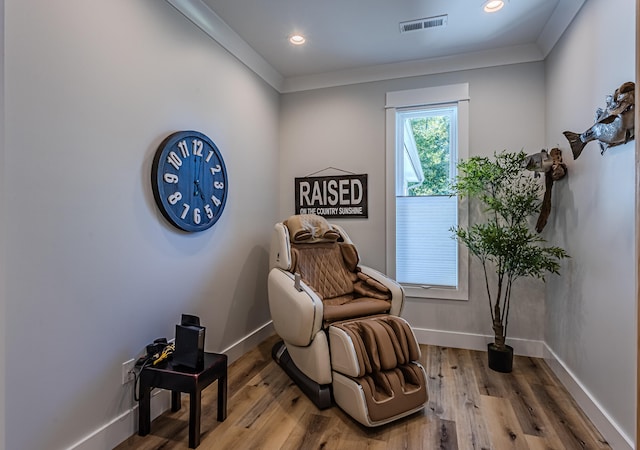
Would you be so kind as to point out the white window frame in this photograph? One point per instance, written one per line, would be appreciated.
(426, 97)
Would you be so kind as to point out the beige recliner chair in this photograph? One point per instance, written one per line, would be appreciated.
(342, 336)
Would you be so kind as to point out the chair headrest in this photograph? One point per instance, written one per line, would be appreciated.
(308, 228)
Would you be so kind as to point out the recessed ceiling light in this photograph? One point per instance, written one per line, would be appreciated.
(297, 39)
(493, 5)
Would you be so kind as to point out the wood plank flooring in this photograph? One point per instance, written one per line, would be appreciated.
(470, 407)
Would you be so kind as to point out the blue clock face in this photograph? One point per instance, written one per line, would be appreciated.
(189, 180)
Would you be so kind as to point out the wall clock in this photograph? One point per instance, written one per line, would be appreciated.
(189, 180)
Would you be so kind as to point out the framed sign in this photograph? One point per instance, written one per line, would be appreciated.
(337, 196)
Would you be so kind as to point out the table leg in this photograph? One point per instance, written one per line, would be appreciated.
(175, 401)
(222, 397)
(194, 418)
(144, 411)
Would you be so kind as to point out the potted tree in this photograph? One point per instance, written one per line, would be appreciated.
(503, 241)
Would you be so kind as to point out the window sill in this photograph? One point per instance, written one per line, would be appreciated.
(435, 292)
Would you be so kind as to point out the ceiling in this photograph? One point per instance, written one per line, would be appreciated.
(351, 39)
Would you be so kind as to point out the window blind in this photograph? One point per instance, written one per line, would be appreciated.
(426, 253)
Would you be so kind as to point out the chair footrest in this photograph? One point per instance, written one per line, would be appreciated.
(357, 396)
(376, 376)
(366, 345)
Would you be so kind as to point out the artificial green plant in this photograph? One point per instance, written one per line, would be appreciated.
(503, 240)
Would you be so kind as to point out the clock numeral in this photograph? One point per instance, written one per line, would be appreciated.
(175, 197)
(216, 201)
(209, 156)
(208, 211)
(170, 178)
(197, 147)
(196, 216)
(218, 184)
(174, 160)
(182, 145)
(185, 210)
(216, 169)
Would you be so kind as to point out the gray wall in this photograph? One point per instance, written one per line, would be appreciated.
(586, 316)
(344, 127)
(93, 271)
(2, 239)
(591, 309)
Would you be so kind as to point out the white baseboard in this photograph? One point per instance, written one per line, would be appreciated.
(601, 419)
(126, 424)
(537, 349)
(469, 341)
(249, 342)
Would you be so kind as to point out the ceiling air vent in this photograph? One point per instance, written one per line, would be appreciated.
(424, 24)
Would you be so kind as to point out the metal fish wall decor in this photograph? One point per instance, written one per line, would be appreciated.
(538, 162)
(614, 125)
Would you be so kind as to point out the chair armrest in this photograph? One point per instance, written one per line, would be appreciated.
(296, 315)
(397, 291)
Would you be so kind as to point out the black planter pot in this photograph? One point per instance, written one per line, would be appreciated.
(500, 360)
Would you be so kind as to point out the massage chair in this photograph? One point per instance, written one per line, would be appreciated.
(342, 338)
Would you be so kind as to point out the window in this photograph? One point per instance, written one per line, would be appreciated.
(427, 133)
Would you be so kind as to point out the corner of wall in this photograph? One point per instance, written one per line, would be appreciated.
(611, 431)
(122, 427)
(2, 236)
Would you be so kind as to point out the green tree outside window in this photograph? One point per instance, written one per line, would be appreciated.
(432, 136)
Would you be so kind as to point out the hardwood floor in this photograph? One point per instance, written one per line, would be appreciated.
(470, 407)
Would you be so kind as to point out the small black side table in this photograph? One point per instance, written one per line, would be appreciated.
(182, 379)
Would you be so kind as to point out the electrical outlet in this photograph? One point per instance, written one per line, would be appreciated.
(127, 371)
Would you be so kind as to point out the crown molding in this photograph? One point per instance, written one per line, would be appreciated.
(208, 21)
(557, 24)
(466, 61)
